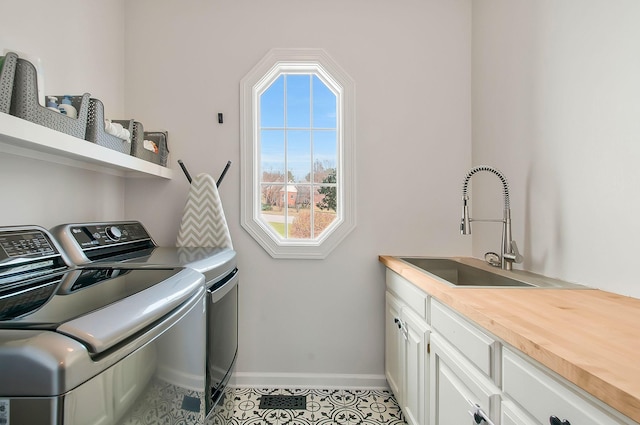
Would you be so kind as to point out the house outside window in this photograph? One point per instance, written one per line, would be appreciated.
(297, 153)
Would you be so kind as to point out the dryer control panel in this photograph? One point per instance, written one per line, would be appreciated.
(85, 242)
(100, 234)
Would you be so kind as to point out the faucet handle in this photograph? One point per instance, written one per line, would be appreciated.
(514, 254)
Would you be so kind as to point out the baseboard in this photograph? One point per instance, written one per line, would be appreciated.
(311, 380)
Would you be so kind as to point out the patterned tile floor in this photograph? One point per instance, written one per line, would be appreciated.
(324, 407)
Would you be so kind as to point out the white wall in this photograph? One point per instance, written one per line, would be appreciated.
(81, 47)
(556, 106)
(556, 101)
(411, 66)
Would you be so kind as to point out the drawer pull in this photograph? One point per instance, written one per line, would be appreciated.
(479, 416)
(554, 420)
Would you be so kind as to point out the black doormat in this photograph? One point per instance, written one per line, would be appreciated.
(295, 402)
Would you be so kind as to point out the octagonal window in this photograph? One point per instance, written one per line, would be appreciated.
(297, 154)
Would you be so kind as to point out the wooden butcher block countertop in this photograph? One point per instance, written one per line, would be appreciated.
(588, 336)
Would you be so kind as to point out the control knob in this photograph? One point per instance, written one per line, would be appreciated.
(113, 233)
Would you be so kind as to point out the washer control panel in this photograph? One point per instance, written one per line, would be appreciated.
(25, 243)
(26, 251)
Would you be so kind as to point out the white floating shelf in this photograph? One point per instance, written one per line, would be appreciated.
(24, 138)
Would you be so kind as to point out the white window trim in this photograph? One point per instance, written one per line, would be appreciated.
(276, 61)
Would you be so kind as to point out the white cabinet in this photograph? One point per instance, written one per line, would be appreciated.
(542, 396)
(406, 348)
(462, 363)
(443, 368)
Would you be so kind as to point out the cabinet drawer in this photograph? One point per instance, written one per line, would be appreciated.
(542, 394)
(476, 345)
(407, 293)
(457, 387)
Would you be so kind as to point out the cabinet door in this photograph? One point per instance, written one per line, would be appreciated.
(394, 347)
(456, 386)
(416, 377)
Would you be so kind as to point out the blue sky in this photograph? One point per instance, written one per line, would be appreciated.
(310, 132)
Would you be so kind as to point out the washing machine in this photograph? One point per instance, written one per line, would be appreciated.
(97, 344)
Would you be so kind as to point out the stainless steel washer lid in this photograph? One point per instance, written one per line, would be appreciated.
(106, 327)
(101, 307)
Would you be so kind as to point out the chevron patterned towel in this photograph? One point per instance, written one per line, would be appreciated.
(203, 222)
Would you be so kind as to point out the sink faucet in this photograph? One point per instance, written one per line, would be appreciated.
(509, 250)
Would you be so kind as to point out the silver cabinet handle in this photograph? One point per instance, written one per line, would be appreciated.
(402, 326)
(405, 332)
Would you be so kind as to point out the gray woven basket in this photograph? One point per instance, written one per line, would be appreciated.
(137, 140)
(137, 144)
(161, 139)
(97, 134)
(24, 104)
(7, 75)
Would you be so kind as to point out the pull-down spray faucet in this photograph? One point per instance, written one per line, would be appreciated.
(509, 250)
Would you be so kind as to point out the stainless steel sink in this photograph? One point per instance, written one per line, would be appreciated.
(471, 272)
